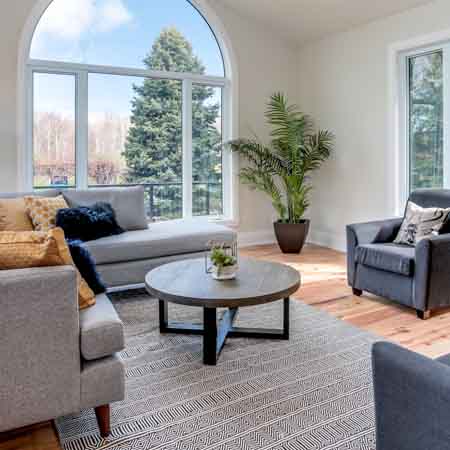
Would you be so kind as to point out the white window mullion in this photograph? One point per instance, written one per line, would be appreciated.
(187, 148)
(82, 130)
(226, 154)
(446, 124)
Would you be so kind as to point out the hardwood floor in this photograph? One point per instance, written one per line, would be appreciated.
(324, 286)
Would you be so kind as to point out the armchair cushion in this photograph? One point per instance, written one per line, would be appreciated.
(101, 330)
(390, 257)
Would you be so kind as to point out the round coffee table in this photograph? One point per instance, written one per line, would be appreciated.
(186, 282)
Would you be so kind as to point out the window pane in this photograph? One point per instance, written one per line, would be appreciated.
(426, 121)
(207, 151)
(135, 137)
(53, 130)
(128, 33)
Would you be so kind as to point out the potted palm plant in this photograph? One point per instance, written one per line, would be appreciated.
(282, 169)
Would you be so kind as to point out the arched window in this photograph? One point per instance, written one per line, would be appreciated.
(131, 92)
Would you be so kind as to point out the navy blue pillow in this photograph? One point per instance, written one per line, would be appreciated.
(86, 266)
(88, 223)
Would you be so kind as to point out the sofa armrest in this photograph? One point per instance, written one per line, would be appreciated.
(368, 233)
(39, 345)
(432, 273)
(412, 394)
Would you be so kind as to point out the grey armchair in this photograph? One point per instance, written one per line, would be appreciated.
(412, 398)
(418, 277)
(54, 359)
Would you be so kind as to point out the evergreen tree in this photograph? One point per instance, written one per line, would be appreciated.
(153, 151)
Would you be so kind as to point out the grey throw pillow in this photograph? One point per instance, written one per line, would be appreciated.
(420, 223)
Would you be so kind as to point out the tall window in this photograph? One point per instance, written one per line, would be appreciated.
(130, 92)
(426, 120)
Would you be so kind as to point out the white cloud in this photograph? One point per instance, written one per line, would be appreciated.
(69, 19)
(113, 14)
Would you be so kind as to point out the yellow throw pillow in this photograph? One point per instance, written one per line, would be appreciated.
(21, 250)
(42, 210)
(13, 215)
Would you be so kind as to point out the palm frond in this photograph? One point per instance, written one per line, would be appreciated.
(294, 151)
(289, 124)
(259, 155)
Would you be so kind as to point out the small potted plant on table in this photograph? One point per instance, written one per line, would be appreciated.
(224, 263)
(282, 169)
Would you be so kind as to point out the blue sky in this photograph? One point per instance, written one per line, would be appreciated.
(117, 33)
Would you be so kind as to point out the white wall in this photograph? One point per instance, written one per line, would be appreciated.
(266, 64)
(343, 82)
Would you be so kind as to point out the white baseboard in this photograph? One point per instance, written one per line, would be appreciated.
(261, 237)
(336, 241)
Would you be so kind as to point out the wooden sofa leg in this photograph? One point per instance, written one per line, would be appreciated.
(424, 315)
(103, 418)
(357, 292)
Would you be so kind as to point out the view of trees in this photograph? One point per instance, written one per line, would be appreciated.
(426, 121)
(145, 147)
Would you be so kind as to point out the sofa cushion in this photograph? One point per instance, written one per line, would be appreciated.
(390, 257)
(159, 239)
(43, 210)
(101, 330)
(25, 249)
(13, 215)
(127, 202)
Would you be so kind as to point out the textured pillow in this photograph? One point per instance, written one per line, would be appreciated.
(86, 266)
(13, 215)
(88, 223)
(420, 223)
(24, 249)
(42, 210)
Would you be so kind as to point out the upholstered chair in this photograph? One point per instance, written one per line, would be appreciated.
(418, 277)
(412, 398)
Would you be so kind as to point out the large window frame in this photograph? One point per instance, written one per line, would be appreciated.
(29, 66)
(405, 113)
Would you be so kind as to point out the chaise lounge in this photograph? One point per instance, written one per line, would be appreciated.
(57, 360)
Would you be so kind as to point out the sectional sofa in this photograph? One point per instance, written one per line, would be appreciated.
(56, 360)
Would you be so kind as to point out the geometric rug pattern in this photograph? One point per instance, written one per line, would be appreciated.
(313, 392)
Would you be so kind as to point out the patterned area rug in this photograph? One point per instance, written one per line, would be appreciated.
(311, 392)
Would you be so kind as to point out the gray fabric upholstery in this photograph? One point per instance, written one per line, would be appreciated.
(159, 239)
(427, 266)
(432, 280)
(429, 198)
(389, 285)
(42, 373)
(412, 397)
(39, 345)
(391, 257)
(101, 330)
(134, 272)
(368, 233)
(128, 203)
(37, 192)
(102, 382)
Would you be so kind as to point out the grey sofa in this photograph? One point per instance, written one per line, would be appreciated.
(418, 277)
(55, 360)
(412, 398)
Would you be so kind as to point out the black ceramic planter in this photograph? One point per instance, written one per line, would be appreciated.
(291, 237)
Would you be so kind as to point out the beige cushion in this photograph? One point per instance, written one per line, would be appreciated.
(13, 215)
(25, 249)
(42, 210)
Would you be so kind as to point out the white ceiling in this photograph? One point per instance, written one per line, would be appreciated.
(301, 21)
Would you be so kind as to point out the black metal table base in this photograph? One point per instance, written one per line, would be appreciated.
(215, 332)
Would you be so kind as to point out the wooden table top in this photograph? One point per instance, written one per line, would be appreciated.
(186, 282)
